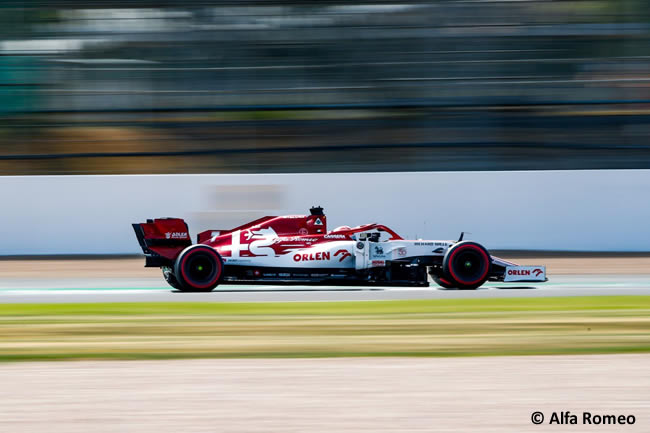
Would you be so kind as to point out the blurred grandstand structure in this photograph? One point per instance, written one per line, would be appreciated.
(118, 86)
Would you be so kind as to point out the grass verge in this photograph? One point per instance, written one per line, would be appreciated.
(454, 327)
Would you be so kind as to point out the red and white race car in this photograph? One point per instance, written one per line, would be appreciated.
(299, 249)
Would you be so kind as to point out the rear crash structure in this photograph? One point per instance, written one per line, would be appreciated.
(299, 249)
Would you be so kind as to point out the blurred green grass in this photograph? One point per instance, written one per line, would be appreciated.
(458, 327)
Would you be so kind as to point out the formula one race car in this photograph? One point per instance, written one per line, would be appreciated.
(299, 249)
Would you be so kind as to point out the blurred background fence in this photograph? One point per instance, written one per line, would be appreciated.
(247, 86)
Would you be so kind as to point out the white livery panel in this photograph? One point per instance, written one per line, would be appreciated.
(525, 273)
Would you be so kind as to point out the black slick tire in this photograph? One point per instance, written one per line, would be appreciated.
(466, 265)
(198, 268)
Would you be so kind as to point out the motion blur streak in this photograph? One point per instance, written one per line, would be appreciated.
(117, 86)
(322, 395)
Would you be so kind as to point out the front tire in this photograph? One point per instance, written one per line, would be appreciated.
(198, 268)
(467, 265)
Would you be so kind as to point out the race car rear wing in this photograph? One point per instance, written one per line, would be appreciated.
(162, 239)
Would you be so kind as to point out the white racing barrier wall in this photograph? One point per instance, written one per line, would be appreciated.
(606, 210)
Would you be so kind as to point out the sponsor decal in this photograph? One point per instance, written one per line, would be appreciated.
(284, 274)
(537, 272)
(377, 252)
(401, 252)
(309, 257)
(299, 239)
(344, 254)
(303, 231)
(240, 261)
(318, 222)
(176, 235)
(376, 263)
(335, 237)
(519, 273)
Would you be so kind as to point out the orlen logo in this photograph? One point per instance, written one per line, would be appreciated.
(325, 255)
(344, 254)
(175, 235)
(525, 272)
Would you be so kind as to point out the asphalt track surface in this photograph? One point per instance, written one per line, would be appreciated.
(24, 290)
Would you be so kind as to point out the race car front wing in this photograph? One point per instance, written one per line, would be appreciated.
(510, 272)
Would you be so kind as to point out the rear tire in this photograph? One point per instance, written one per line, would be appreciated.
(170, 278)
(443, 283)
(467, 265)
(198, 268)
